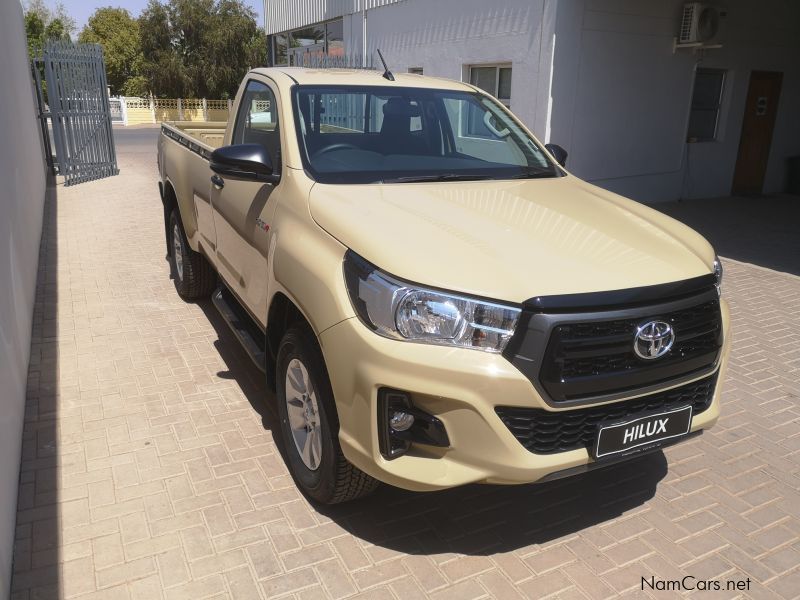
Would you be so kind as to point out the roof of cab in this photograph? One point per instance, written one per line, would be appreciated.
(305, 76)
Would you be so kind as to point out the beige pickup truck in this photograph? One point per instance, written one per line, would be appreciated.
(434, 298)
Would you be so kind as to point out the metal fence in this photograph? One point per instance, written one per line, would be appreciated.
(78, 109)
(318, 60)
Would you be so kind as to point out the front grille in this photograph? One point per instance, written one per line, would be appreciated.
(584, 359)
(546, 432)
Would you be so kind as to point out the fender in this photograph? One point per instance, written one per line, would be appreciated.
(306, 263)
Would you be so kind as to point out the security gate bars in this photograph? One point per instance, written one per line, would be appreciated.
(79, 110)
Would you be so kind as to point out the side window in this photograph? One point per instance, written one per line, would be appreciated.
(257, 120)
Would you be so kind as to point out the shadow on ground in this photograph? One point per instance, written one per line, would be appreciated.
(37, 554)
(475, 519)
(761, 230)
(487, 519)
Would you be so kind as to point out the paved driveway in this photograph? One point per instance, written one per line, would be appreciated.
(150, 469)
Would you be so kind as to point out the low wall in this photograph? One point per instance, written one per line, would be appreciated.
(137, 111)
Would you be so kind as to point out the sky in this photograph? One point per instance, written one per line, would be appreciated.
(81, 10)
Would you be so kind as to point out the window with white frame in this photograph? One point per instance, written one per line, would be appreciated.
(706, 103)
(326, 38)
(493, 79)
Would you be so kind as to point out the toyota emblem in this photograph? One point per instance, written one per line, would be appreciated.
(653, 340)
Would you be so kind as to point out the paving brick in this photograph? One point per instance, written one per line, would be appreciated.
(289, 583)
(125, 572)
(148, 473)
(107, 551)
(242, 584)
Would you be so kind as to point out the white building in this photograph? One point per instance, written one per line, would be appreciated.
(602, 78)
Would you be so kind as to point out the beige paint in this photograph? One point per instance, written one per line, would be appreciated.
(22, 172)
(469, 237)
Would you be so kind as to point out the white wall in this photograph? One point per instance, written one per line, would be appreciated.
(621, 97)
(22, 191)
(443, 36)
(282, 15)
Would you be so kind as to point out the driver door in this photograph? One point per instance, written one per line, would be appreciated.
(243, 210)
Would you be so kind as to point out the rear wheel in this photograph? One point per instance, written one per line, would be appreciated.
(193, 276)
(310, 426)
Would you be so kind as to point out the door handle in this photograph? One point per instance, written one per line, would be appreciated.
(217, 181)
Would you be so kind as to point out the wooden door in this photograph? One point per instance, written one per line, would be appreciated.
(759, 118)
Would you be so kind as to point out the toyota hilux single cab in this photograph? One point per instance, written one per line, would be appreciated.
(434, 298)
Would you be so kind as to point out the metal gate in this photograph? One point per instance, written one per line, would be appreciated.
(79, 110)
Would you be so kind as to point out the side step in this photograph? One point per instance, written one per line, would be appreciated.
(242, 325)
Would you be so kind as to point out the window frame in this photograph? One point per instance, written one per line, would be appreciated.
(497, 66)
(242, 105)
(693, 106)
(273, 89)
(325, 43)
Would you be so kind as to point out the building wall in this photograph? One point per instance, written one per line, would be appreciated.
(282, 15)
(622, 98)
(22, 173)
(444, 36)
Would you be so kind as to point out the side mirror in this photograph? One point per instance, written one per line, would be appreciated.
(558, 153)
(247, 162)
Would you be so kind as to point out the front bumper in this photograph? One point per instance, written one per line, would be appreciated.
(460, 387)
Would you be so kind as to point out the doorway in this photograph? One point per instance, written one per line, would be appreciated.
(760, 110)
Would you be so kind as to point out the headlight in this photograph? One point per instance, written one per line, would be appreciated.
(404, 311)
(718, 274)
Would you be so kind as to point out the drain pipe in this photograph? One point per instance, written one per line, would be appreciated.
(364, 36)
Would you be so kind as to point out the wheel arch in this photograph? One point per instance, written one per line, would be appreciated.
(170, 201)
(283, 313)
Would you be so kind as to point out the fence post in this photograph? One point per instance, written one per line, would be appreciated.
(205, 110)
(229, 110)
(152, 109)
(123, 107)
(180, 110)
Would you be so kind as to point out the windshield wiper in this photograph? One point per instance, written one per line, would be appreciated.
(438, 177)
(534, 174)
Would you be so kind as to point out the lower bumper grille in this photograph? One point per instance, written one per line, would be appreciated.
(547, 432)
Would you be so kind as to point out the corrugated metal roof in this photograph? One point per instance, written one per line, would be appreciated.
(282, 15)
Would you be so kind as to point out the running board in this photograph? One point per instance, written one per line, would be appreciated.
(241, 325)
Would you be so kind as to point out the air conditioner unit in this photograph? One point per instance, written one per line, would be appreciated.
(700, 23)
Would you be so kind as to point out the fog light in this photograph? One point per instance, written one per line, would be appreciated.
(400, 424)
(401, 421)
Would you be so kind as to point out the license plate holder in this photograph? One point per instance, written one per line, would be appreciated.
(640, 432)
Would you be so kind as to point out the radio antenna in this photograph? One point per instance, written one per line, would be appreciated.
(386, 72)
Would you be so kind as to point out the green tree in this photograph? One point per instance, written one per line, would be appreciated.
(34, 31)
(199, 48)
(118, 33)
(66, 26)
(42, 24)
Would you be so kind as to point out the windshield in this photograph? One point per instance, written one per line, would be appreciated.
(366, 134)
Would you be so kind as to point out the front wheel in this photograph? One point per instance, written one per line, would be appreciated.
(310, 426)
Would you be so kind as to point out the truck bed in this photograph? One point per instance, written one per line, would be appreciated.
(208, 134)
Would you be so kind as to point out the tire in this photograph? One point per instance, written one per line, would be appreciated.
(324, 475)
(193, 276)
